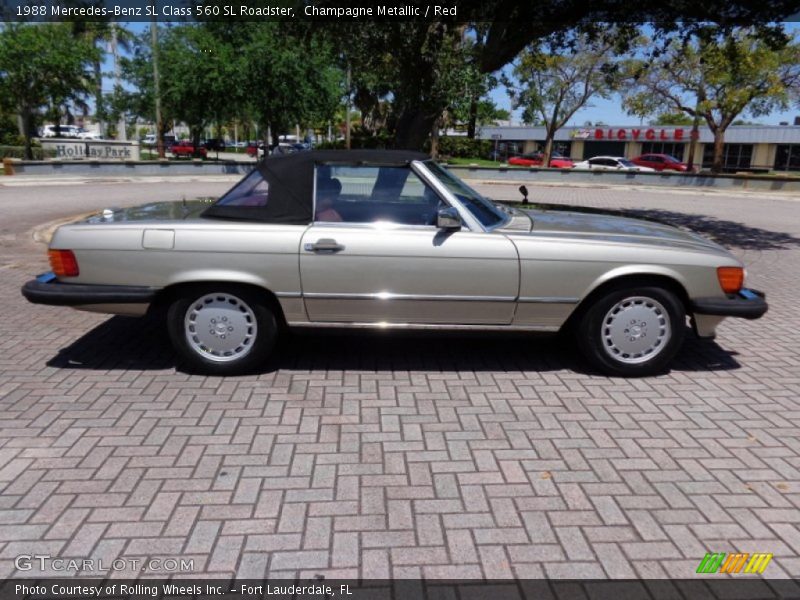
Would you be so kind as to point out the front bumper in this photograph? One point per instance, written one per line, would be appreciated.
(746, 304)
(46, 289)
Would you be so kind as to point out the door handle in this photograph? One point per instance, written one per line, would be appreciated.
(325, 245)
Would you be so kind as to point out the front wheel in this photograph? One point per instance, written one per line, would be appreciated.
(220, 330)
(633, 331)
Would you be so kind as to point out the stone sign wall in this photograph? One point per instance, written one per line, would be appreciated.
(72, 149)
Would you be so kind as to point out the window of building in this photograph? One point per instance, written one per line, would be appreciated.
(787, 157)
(591, 149)
(734, 156)
(671, 148)
(559, 148)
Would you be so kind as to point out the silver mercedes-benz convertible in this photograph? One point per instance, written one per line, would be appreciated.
(391, 239)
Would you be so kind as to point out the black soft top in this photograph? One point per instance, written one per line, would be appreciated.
(291, 183)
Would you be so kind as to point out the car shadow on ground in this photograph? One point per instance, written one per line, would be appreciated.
(730, 234)
(123, 343)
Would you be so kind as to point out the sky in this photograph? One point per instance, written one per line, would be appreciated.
(608, 111)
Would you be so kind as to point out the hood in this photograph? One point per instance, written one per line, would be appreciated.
(619, 230)
(155, 211)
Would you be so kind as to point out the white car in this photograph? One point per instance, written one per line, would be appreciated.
(610, 163)
(64, 131)
(89, 135)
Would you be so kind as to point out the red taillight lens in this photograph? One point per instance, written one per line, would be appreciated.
(731, 279)
(63, 263)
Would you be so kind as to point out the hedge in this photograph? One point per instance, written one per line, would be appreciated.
(19, 152)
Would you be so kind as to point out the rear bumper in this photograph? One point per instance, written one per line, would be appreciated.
(746, 304)
(45, 289)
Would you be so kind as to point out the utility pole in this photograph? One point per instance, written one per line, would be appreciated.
(154, 50)
(347, 112)
(122, 134)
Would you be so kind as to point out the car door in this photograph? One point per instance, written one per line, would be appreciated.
(374, 255)
(655, 162)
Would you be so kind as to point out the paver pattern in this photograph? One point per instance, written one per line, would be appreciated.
(403, 456)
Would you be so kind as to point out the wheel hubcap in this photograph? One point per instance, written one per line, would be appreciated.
(220, 327)
(635, 330)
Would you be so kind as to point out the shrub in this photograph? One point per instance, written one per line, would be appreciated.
(19, 152)
(462, 147)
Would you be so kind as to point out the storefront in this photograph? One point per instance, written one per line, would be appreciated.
(747, 147)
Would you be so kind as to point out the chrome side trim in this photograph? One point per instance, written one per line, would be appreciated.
(391, 296)
(433, 326)
(288, 294)
(548, 300)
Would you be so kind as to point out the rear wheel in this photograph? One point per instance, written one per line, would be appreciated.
(224, 330)
(632, 331)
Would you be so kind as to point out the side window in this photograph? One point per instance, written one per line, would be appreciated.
(252, 191)
(366, 194)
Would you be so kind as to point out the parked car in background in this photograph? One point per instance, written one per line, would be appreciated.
(60, 131)
(215, 144)
(557, 160)
(610, 163)
(255, 149)
(185, 148)
(382, 239)
(89, 135)
(150, 140)
(660, 162)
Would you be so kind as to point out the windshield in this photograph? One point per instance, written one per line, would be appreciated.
(671, 159)
(482, 209)
(626, 163)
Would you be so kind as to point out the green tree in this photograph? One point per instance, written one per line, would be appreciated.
(137, 69)
(556, 78)
(201, 78)
(43, 66)
(287, 80)
(406, 54)
(672, 118)
(716, 77)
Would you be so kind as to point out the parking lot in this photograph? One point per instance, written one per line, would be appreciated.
(399, 455)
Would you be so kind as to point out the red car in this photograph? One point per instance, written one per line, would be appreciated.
(557, 161)
(188, 149)
(660, 162)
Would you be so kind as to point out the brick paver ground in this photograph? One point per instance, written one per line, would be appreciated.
(409, 455)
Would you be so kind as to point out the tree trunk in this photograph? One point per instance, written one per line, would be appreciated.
(435, 139)
(25, 131)
(717, 166)
(413, 127)
(99, 110)
(473, 118)
(548, 148)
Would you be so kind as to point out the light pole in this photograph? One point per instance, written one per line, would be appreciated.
(154, 50)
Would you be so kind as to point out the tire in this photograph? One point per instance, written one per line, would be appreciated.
(613, 332)
(221, 329)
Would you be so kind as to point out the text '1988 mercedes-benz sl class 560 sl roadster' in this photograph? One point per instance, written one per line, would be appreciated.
(387, 239)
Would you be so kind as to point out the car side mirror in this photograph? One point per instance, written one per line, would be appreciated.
(524, 191)
(448, 219)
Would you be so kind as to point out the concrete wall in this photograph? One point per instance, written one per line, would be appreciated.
(97, 168)
(91, 168)
(570, 176)
(73, 149)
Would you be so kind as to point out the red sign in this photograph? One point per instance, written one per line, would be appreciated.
(636, 134)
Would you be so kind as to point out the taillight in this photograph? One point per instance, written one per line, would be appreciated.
(63, 263)
(731, 279)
